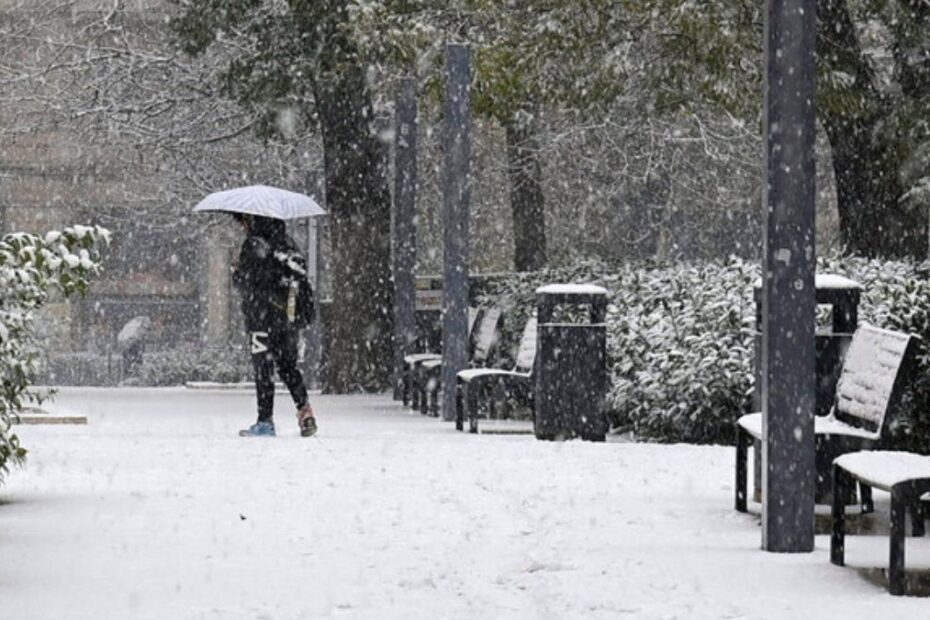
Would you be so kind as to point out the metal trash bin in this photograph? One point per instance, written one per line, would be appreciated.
(571, 363)
(842, 295)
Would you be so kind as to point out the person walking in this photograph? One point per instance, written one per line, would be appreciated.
(268, 275)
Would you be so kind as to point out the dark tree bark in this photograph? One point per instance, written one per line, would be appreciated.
(526, 197)
(358, 356)
(310, 49)
(874, 219)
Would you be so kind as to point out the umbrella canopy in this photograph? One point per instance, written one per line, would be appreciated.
(261, 200)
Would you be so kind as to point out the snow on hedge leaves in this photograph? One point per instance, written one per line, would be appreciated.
(680, 340)
(29, 267)
(680, 337)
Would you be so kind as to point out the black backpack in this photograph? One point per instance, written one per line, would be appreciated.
(300, 292)
(304, 309)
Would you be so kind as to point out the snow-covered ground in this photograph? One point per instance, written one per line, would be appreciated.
(158, 510)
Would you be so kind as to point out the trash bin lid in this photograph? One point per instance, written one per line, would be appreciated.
(831, 280)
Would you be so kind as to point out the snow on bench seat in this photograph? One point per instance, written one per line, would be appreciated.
(906, 476)
(884, 469)
(876, 369)
(823, 425)
(471, 373)
(421, 357)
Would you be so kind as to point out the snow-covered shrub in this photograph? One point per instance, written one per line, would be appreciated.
(30, 267)
(680, 339)
(679, 342)
(682, 346)
(79, 368)
(178, 366)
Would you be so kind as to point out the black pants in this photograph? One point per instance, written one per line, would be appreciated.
(278, 346)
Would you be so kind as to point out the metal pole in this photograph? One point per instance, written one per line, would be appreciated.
(405, 229)
(313, 336)
(788, 295)
(455, 206)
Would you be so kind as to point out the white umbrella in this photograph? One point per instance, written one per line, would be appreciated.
(261, 200)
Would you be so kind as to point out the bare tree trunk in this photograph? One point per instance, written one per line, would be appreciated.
(358, 356)
(526, 197)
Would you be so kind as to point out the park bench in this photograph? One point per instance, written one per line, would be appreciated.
(875, 371)
(473, 384)
(412, 361)
(428, 373)
(906, 476)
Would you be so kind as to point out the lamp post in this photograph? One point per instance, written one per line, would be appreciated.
(455, 213)
(788, 294)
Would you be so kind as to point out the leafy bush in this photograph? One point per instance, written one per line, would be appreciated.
(30, 267)
(78, 368)
(176, 367)
(680, 339)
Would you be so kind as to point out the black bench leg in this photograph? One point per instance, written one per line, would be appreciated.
(917, 518)
(459, 408)
(405, 387)
(838, 512)
(424, 391)
(920, 514)
(741, 462)
(471, 406)
(900, 501)
(865, 495)
(414, 388)
(434, 400)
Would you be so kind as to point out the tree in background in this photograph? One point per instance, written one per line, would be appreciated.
(301, 55)
(873, 99)
(691, 58)
(531, 55)
(528, 56)
(103, 119)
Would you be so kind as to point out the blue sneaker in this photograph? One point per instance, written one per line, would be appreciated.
(259, 429)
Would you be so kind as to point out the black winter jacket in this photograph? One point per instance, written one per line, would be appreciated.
(268, 261)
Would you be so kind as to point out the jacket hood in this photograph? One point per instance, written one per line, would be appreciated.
(271, 230)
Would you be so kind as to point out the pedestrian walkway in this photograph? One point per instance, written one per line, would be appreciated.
(156, 509)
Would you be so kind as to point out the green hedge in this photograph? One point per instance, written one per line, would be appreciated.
(680, 339)
(178, 366)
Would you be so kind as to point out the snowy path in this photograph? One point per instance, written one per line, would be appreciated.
(156, 510)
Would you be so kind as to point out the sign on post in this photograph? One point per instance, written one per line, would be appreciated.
(428, 293)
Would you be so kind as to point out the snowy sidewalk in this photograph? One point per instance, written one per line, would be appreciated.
(157, 510)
